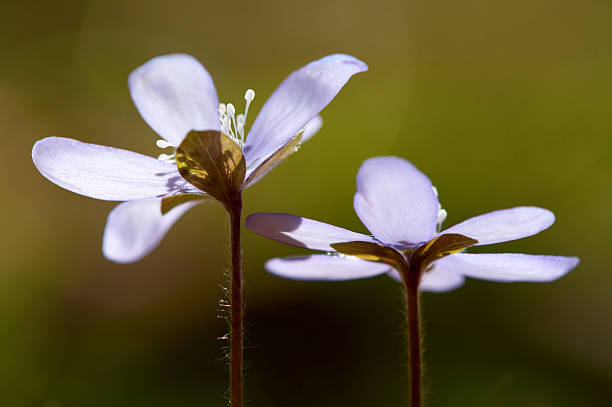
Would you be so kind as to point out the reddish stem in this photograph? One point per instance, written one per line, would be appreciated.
(411, 283)
(236, 351)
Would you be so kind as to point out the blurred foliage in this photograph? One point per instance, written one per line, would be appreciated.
(500, 103)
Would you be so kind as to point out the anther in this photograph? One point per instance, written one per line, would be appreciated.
(163, 144)
(170, 159)
(233, 125)
(249, 95)
(442, 214)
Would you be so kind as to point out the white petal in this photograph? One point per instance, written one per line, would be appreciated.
(297, 101)
(105, 172)
(311, 128)
(508, 267)
(174, 95)
(504, 225)
(321, 267)
(300, 232)
(396, 201)
(133, 229)
(440, 281)
(435, 280)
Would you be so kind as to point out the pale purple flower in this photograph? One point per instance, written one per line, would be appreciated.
(399, 206)
(175, 94)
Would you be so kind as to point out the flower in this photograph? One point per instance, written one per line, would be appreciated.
(399, 206)
(175, 95)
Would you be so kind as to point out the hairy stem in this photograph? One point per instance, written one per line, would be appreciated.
(411, 282)
(235, 215)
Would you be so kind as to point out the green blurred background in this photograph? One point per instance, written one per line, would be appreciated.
(500, 103)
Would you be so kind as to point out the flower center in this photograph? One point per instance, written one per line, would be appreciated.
(232, 124)
(442, 214)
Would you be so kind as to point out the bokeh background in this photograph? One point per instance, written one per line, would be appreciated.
(500, 103)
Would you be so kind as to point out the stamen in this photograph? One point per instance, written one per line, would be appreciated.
(442, 214)
(163, 144)
(249, 95)
(234, 125)
(225, 124)
(240, 120)
(231, 112)
(168, 158)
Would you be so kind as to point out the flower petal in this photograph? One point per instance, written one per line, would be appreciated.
(436, 280)
(133, 229)
(508, 267)
(504, 225)
(396, 201)
(174, 95)
(311, 128)
(105, 172)
(440, 281)
(255, 173)
(297, 101)
(300, 232)
(321, 267)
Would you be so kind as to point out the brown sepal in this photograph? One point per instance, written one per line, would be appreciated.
(372, 252)
(213, 163)
(169, 202)
(439, 247)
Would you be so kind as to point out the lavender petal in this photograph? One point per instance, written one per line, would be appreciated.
(105, 172)
(300, 232)
(297, 101)
(174, 95)
(320, 267)
(396, 201)
(133, 229)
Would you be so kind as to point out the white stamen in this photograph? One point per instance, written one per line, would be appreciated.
(163, 144)
(168, 158)
(249, 95)
(240, 121)
(234, 125)
(231, 112)
(226, 125)
(442, 214)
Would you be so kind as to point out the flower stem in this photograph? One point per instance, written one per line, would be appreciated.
(411, 282)
(235, 215)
